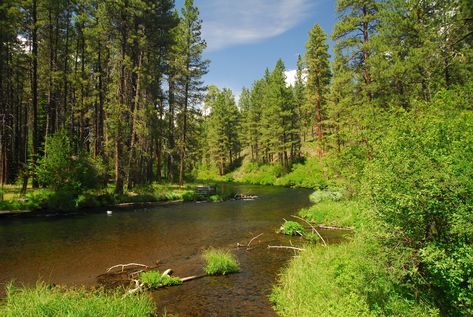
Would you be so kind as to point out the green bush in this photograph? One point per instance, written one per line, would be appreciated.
(61, 169)
(292, 228)
(44, 300)
(188, 195)
(154, 279)
(306, 175)
(322, 195)
(87, 201)
(421, 184)
(266, 174)
(215, 198)
(38, 199)
(220, 262)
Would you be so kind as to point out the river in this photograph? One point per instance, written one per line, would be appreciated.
(74, 249)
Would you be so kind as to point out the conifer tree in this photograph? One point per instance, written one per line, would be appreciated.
(318, 78)
(190, 67)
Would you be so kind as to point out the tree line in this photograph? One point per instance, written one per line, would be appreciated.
(388, 56)
(122, 79)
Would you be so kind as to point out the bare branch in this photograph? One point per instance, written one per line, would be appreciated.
(313, 228)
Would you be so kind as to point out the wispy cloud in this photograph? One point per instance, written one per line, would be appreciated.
(232, 22)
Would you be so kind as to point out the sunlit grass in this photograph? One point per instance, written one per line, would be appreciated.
(220, 262)
(44, 300)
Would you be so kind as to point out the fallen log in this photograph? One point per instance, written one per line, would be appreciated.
(284, 247)
(126, 265)
(334, 228)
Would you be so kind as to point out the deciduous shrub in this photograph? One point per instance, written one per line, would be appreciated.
(61, 169)
(421, 184)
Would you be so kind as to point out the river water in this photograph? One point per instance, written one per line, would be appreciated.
(74, 249)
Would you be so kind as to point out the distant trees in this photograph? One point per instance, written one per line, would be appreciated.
(222, 128)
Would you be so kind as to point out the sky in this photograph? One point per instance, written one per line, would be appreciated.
(244, 37)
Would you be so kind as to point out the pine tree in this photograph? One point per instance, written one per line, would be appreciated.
(190, 68)
(318, 78)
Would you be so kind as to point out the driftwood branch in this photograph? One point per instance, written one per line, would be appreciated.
(125, 265)
(194, 277)
(138, 288)
(248, 245)
(334, 228)
(284, 247)
(313, 228)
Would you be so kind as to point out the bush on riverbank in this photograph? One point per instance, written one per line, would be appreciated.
(220, 262)
(44, 300)
(309, 174)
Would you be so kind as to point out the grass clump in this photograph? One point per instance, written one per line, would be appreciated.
(292, 228)
(215, 198)
(335, 213)
(44, 300)
(154, 279)
(324, 195)
(220, 262)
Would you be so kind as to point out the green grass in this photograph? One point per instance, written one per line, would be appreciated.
(220, 262)
(343, 281)
(44, 300)
(155, 279)
(292, 228)
(42, 199)
(335, 213)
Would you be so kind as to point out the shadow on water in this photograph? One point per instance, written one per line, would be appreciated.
(74, 250)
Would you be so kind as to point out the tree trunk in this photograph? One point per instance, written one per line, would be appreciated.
(34, 88)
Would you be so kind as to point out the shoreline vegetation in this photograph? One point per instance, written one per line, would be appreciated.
(102, 102)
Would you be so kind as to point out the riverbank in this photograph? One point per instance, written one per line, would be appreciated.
(358, 277)
(40, 200)
(310, 174)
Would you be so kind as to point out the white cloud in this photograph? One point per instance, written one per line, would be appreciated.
(291, 76)
(230, 22)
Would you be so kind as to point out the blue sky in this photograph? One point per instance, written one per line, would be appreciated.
(245, 37)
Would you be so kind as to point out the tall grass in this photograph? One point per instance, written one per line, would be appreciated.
(335, 213)
(44, 300)
(154, 279)
(343, 281)
(220, 262)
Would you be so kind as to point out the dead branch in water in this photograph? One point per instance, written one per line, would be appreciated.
(284, 247)
(313, 228)
(194, 277)
(126, 265)
(335, 228)
(248, 245)
(138, 288)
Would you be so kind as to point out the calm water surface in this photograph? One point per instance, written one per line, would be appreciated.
(75, 249)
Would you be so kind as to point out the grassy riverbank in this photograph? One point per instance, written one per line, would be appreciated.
(46, 199)
(308, 174)
(359, 277)
(45, 300)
